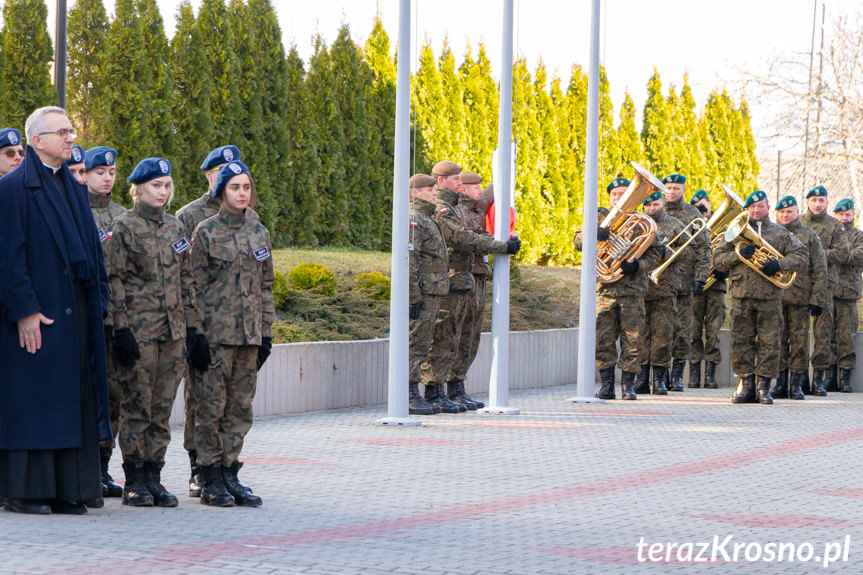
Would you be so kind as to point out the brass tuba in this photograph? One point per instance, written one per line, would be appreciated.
(730, 207)
(631, 233)
(764, 252)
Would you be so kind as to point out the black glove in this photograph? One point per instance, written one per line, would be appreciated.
(815, 309)
(416, 308)
(697, 287)
(628, 268)
(602, 234)
(747, 251)
(771, 268)
(191, 336)
(264, 350)
(109, 337)
(125, 347)
(199, 356)
(719, 276)
(512, 246)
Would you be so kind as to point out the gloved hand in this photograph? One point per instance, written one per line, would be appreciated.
(191, 336)
(512, 246)
(771, 268)
(602, 234)
(815, 309)
(628, 268)
(199, 357)
(720, 275)
(416, 308)
(264, 351)
(747, 251)
(697, 287)
(125, 347)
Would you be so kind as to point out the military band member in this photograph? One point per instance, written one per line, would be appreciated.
(701, 201)
(846, 294)
(76, 163)
(756, 303)
(11, 150)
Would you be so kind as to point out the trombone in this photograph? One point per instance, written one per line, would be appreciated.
(697, 225)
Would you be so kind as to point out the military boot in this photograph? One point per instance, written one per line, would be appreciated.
(660, 375)
(780, 390)
(627, 385)
(804, 382)
(676, 383)
(416, 404)
(845, 380)
(110, 488)
(161, 496)
(830, 383)
(710, 375)
(642, 381)
(763, 390)
(745, 392)
(196, 482)
(241, 493)
(437, 398)
(794, 388)
(457, 394)
(694, 374)
(135, 492)
(214, 492)
(607, 390)
(818, 383)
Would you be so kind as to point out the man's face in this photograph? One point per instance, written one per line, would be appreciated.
(473, 191)
(10, 157)
(675, 191)
(100, 180)
(428, 194)
(846, 217)
(615, 194)
(787, 215)
(450, 183)
(78, 172)
(816, 204)
(55, 148)
(758, 210)
(651, 208)
(706, 203)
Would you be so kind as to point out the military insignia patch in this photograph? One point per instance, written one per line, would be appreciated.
(102, 235)
(410, 247)
(444, 210)
(76, 153)
(163, 165)
(109, 158)
(262, 254)
(181, 245)
(235, 168)
(13, 138)
(414, 225)
(228, 154)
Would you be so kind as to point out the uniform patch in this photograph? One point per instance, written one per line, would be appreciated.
(410, 247)
(13, 138)
(262, 254)
(228, 154)
(414, 225)
(444, 210)
(102, 235)
(163, 165)
(181, 245)
(76, 155)
(235, 167)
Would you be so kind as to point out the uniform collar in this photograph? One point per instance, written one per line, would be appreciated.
(233, 220)
(466, 202)
(658, 215)
(98, 200)
(818, 217)
(452, 198)
(149, 212)
(211, 201)
(423, 206)
(793, 225)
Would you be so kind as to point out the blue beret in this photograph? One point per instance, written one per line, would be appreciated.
(844, 205)
(221, 155)
(99, 156)
(77, 156)
(786, 202)
(674, 179)
(698, 196)
(9, 137)
(755, 196)
(149, 169)
(817, 191)
(657, 195)
(617, 183)
(227, 172)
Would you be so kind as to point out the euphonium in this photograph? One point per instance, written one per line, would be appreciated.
(730, 207)
(764, 252)
(631, 233)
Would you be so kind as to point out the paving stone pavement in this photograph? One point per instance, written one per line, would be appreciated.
(560, 489)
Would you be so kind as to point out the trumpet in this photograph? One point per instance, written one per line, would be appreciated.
(730, 207)
(764, 252)
(697, 225)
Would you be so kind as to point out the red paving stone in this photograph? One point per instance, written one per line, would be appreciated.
(520, 425)
(776, 520)
(623, 556)
(406, 441)
(253, 460)
(615, 412)
(849, 493)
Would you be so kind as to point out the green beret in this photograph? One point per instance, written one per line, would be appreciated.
(617, 183)
(698, 196)
(470, 178)
(817, 191)
(446, 168)
(786, 202)
(657, 195)
(421, 181)
(674, 179)
(755, 196)
(844, 205)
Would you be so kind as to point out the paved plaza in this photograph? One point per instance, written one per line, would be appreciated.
(659, 485)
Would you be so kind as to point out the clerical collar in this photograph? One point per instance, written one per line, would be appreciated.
(52, 168)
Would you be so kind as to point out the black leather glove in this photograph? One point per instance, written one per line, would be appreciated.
(697, 287)
(719, 276)
(109, 337)
(815, 309)
(191, 336)
(416, 308)
(125, 347)
(602, 234)
(628, 268)
(747, 251)
(199, 357)
(264, 350)
(512, 246)
(771, 268)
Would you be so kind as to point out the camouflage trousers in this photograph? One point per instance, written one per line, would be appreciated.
(708, 316)
(149, 389)
(224, 414)
(447, 332)
(682, 326)
(845, 321)
(421, 332)
(823, 350)
(619, 318)
(191, 381)
(794, 353)
(658, 329)
(468, 343)
(115, 396)
(756, 334)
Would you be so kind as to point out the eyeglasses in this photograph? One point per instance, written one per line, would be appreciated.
(11, 153)
(62, 132)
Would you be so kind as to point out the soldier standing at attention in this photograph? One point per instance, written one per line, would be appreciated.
(701, 201)
(153, 307)
(756, 303)
(428, 283)
(846, 295)
(11, 151)
(694, 265)
(76, 163)
(233, 272)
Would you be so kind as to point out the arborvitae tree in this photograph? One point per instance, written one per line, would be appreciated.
(86, 101)
(480, 101)
(631, 149)
(160, 86)
(710, 181)
(575, 104)
(190, 107)
(28, 51)
(690, 158)
(454, 116)
(568, 209)
(656, 129)
(609, 147)
(224, 69)
(748, 167)
(718, 115)
(430, 107)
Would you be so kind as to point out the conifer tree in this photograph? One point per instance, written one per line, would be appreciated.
(480, 102)
(454, 116)
(567, 212)
(631, 148)
(748, 167)
(160, 86)
(430, 107)
(224, 70)
(690, 157)
(575, 105)
(718, 116)
(710, 181)
(86, 102)
(609, 147)
(655, 131)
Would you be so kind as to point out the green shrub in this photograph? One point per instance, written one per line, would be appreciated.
(375, 284)
(290, 333)
(280, 289)
(313, 277)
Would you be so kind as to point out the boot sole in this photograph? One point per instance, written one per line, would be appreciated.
(214, 504)
(131, 504)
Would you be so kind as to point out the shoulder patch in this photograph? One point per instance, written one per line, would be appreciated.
(414, 225)
(181, 245)
(444, 210)
(102, 235)
(262, 254)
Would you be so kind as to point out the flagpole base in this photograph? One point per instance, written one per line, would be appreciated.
(399, 422)
(499, 410)
(585, 400)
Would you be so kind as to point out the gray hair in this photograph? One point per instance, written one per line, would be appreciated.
(36, 121)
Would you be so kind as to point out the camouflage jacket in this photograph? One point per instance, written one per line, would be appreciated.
(833, 240)
(480, 261)
(151, 283)
(809, 287)
(107, 210)
(205, 207)
(694, 263)
(667, 228)
(428, 258)
(462, 242)
(743, 281)
(232, 267)
(849, 285)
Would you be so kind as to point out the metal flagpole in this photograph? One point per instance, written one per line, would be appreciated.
(587, 310)
(60, 53)
(397, 396)
(498, 394)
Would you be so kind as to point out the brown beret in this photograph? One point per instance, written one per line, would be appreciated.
(446, 168)
(470, 178)
(421, 181)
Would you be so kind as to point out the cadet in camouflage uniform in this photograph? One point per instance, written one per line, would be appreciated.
(233, 270)
(846, 294)
(462, 243)
(799, 302)
(428, 283)
(620, 308)
(756, 303)
(11, 151)
(835, 245)
(694, 265)
(152, 305)
(75, 163)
